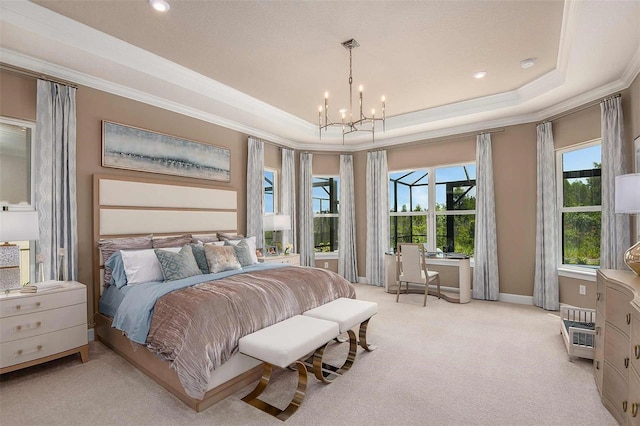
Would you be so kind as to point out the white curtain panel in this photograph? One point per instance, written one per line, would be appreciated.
(288, 196)
(377, 216)
(615, 228)
(255, 189)
(55, 175)
(306, 243)
(546, 293)
(485, 272)
(347, 260)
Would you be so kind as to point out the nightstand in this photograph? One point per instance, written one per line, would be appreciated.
(40, 327)
(291, 259)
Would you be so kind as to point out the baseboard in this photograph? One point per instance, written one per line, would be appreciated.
(515, 298)
(363, 280)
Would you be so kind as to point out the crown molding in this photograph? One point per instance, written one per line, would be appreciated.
(248, 112)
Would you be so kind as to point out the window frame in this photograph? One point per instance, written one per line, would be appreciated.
(567, 269)
(430, 212)
(320, 254)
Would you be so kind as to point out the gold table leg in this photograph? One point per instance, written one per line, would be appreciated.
(298, 397)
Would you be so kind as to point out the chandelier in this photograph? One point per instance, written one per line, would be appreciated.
(362, 123)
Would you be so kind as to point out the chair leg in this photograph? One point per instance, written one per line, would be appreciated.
(398, 291)
(426, 290)
(438, 283)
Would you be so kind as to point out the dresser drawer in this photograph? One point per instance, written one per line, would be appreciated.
(29, 303)
(635, 341)
(618, 309)
(614, 393)
(634, 398)
(23, 350)
(616, 349)
(33, 324)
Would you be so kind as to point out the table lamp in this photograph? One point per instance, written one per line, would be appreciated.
(277, 223)
(628, 201)
(18, 225)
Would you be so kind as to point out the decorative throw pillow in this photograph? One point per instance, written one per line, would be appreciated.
(221, 258)
(109, 246)
(200, 257)
(243, 252)
(251, 241)
(223, 236)
(175, 241)
(203, 238)
(176, 266)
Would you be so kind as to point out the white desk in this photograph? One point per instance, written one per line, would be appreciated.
(464, 277)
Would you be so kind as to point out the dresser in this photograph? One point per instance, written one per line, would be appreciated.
(617, 345)
(291, 259)
(40, 327)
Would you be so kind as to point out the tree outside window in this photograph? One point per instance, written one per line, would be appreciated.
(326, 196)
(439, 212)
(579, 202)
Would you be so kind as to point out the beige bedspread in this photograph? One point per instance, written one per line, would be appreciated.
(198, 328)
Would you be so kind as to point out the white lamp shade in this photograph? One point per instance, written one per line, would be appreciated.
(628, 193)
(277, 222)
(18, 226)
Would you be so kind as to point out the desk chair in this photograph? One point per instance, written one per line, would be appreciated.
(412, 268)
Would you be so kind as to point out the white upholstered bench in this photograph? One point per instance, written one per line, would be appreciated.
(347, 313)
(282, 344)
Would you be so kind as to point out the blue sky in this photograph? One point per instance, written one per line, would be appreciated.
(581, 159)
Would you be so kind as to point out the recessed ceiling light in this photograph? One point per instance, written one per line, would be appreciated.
(527, 63)
(160, 5)
(480, 74)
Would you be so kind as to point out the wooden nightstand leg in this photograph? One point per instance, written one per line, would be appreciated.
(84, 353)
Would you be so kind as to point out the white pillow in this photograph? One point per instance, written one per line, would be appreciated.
(251, 241)
(142, 266)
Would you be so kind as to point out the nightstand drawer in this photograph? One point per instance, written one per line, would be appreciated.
(290, 259)
(23, 350)
(25, 303)
(28, 325)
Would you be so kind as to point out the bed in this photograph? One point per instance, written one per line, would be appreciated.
(183, 334)
(577, 327)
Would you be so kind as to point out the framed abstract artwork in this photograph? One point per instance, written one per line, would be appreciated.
(126, 147)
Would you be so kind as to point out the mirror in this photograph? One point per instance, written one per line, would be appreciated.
(636, 150)
(15, 161)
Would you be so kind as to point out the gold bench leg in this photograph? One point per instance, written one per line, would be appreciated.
(328, 373)
(298, 397)
(363, 337)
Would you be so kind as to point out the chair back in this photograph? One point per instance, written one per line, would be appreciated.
(412, 262)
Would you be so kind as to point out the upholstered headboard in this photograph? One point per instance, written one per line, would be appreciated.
(125, 206)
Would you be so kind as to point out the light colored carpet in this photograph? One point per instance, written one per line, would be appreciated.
(486, 363)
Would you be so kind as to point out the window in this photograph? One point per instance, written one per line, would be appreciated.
(435, 206)
(579, 204)
(270, 199)
(326, 196)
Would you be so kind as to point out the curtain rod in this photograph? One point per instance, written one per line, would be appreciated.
(29, 73)
(580, 108)
(441, 139)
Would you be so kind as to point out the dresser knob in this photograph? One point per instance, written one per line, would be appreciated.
(628, 318)
(597, 331)
(18, 327)
(626, 362)
(636, 349)
(598, 296)
(624, 406)
(634, 409)
(597, 365)
(18, 307)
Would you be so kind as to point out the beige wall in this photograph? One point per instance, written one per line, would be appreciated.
(93, 106)
(513, 157)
